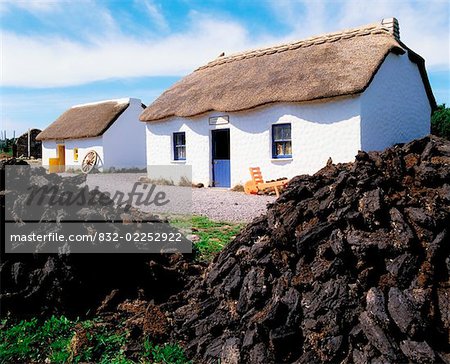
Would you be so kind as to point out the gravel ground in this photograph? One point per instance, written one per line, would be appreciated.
(217, 204)
(225, 205)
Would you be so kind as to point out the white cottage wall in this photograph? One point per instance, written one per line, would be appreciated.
(49, 150)
(319, 131)
(124, 142)
(84, 146)
(395, 107)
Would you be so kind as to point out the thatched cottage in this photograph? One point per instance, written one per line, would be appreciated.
(110, 128)
(289, 108)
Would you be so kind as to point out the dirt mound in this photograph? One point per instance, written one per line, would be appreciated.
(349, 265)
(75, 284)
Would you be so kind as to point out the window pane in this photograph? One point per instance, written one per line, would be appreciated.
(287, 148)
(282, 132)
(181, 152)
(287, 132)
(278, 148)
(179, 138)
(277, 132)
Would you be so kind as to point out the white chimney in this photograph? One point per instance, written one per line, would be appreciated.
(392, 25)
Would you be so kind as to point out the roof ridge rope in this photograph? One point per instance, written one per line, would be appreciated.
(321, 39)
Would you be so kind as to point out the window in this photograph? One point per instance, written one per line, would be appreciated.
(179, 146)
(75, 154)
(281, 141)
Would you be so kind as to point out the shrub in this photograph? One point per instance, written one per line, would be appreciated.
(440, 122)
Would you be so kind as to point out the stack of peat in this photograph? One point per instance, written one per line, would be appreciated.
(21, 145)
(349, 265)
(75, 284)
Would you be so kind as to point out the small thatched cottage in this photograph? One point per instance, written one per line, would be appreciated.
(288, 108)
(110, 128)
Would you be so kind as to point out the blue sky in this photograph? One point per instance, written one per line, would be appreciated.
(58, 53)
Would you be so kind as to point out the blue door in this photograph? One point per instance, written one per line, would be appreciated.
(221, 171)
(221, 158)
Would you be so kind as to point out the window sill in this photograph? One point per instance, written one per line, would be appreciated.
(289, 159)
(180, 161)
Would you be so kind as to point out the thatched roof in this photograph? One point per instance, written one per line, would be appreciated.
(330, 65)
(85, 121)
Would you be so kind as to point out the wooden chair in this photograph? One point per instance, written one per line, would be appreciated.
(257, 183)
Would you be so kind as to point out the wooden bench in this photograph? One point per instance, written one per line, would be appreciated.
(257, 183)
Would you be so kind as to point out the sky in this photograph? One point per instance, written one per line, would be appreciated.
(59, 53)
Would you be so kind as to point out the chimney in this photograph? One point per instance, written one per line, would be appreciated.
(391, 24)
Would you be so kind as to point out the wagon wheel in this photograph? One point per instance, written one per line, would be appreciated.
(89, 161)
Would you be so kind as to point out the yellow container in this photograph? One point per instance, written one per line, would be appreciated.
(54, 165)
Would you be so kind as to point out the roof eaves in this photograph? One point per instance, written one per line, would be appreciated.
(420, 61)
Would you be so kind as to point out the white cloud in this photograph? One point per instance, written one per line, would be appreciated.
(47, 61)
(80, 19)
(31, 61)
(155, 14)
(31, 6)
(424, 25)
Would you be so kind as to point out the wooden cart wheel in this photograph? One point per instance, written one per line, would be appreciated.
(89, 161)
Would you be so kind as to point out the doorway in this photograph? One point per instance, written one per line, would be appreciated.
(61, 152)
(221, 158)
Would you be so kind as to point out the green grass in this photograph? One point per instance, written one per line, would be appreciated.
(31, 341)
(167, 353)
(52, 341)
(213, 236)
